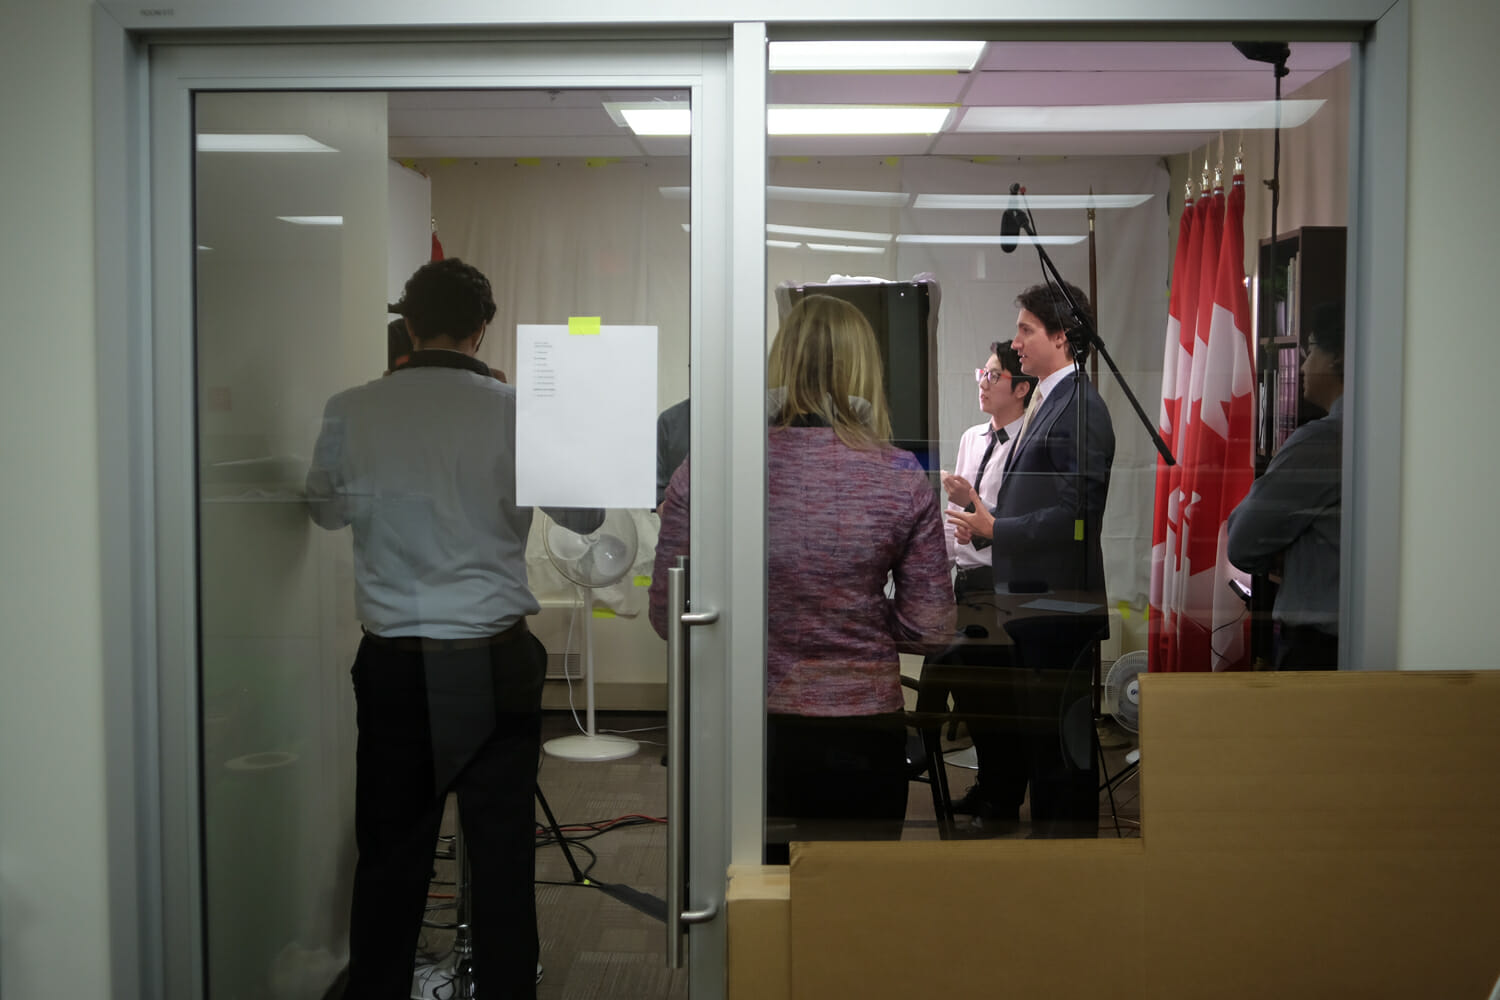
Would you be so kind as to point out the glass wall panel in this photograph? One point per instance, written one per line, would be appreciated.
(312, 210)
(972, 255)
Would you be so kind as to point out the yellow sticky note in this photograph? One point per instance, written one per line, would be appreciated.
(1078, 530)
(642, 581)
(603, 613)
(1124, 611)
(529, 161)
(599, 161)
(583, 326)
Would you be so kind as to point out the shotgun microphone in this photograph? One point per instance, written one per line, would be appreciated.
(1012, 222)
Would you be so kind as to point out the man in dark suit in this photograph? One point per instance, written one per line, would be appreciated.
(1048, 563)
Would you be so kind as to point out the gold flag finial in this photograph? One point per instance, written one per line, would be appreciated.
(1239, 159)
(1219, 176)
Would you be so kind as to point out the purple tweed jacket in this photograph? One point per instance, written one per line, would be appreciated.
(840, 521)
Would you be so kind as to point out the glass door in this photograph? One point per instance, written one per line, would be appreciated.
(318, 184)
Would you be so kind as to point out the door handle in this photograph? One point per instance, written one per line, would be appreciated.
(681, 619)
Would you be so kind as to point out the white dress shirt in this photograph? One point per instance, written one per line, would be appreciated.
(422, 464)
(970, 450)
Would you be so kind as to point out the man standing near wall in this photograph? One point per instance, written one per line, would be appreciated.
(448, 678)
(1048, 561)
(1291, 518)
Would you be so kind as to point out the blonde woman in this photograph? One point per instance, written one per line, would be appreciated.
(846, 513)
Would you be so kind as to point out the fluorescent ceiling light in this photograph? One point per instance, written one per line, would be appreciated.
(956, 240)
(821, 196)
(856, 119)
(783, 244)
(1210, 116)
(248, 142)
(313, 220)
(669, 118)
(1000, 202)
(887, 56)
(843, 248)
(658, 118)
(836, 196)
(836, 234)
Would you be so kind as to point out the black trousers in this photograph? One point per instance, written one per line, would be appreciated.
(834, 778)
(434, 720)
(1302, 647)
(1054, 678)
(973, 670)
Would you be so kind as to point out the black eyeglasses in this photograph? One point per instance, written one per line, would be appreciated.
(990, 375)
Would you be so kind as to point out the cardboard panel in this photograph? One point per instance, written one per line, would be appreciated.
(1306, 836)
(1321, 761)
(1314, 925)
(1317, 835)
(1055, 919)
(759, 914)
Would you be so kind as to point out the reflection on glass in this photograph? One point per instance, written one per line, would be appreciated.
(846, 514)
(968, 213)
(306, 229)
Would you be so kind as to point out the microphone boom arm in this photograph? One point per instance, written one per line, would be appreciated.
(1092, 336)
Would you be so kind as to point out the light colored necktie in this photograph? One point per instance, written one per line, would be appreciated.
(1036, 404)
(1020, 438)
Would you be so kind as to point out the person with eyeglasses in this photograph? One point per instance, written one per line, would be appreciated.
(999, 785)
(1291, 518)
(1004, 392)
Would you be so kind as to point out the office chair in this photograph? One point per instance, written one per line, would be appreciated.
(924, 756)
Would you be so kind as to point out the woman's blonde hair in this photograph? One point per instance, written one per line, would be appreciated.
(823, 362)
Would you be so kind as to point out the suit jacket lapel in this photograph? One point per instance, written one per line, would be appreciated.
(1040, 423)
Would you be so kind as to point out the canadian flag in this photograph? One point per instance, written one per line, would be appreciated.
(1176, 368)
(1204, 625)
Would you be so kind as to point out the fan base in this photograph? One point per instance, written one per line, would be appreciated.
(582, 747)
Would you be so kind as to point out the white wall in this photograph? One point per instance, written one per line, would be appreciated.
(54, 938)
(1449, 540)
(53, 934)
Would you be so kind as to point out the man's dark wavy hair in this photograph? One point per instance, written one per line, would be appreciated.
(446, 298)
(1047, 305)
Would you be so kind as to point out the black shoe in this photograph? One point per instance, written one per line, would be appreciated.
(977, 803)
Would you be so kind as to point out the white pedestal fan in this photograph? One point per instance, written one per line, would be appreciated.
(597, 559)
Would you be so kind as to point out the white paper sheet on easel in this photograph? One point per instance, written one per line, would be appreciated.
(585, 415)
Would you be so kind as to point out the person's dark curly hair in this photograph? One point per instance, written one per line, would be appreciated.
(446, 298)
(1047, 305)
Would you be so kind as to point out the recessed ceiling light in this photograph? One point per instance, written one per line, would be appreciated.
(668, 118)
(656, 118)
(843, 248)
(1209, 116)
(937, 239)
(258, 142)
(313, 220)
(821, 196)
(837, 196)
(873, 56)
(1000, 202)
(854, 119)
(833, 234)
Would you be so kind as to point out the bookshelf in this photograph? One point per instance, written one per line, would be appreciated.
(1299, 271)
